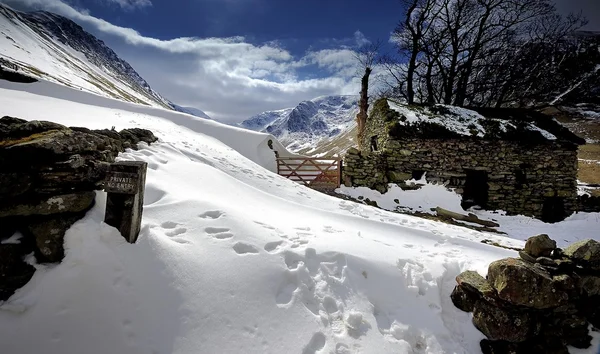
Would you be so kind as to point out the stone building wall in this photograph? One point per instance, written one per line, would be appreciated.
(520, 179)
(520, 175)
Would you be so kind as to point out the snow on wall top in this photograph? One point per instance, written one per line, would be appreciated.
(458, 120)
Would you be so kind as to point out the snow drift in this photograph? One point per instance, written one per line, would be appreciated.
(235, 259)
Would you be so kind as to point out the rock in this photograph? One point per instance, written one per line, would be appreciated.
(501, 324)
(395, 177)
(536, 346)
(540, 246)
(66, 203)
(14, 272)
(575, 331)
(13, 184)
(589, 307)
(590, 285)
(546, 262)
(564, 265)
(497, 347)
(471, 288)
(586, 252)
(353, 151)
(523, 284)
(49, 234)
(543, 345)
(527, 257)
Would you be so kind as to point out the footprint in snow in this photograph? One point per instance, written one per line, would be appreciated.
(244, 248)
(168, 225)
(317, 343)
(211, 214)
(220, 233)
(170, 228)
(273, 247)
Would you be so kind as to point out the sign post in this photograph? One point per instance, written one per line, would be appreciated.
(124, 185)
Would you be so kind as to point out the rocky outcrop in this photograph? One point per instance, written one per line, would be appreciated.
(541, 302)
(48, 177)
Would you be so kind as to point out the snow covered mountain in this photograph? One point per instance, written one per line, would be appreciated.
(47, 46)
(305, 126)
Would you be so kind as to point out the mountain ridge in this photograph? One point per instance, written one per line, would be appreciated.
(51, 47)
(306, 126)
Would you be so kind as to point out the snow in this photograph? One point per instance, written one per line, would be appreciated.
(14, 239)
(235, 259)
(577, 227)
(456, 119)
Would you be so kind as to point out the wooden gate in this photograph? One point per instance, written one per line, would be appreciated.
(324, 174)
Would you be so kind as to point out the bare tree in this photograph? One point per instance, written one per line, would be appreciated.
(480, 52)
(366, 57)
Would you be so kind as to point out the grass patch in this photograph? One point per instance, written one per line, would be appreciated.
(589, 165)
(26, 139)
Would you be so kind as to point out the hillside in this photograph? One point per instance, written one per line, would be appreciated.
(50, 47)
(308, 125)
(233, 258)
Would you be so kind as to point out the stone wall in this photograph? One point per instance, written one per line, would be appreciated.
(589, 204)
(521, 177)
(538, 303)
(48, 177)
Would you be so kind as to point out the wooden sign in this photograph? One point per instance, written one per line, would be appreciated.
(124, 184)
(121, 182)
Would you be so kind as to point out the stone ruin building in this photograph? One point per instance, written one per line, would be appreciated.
(515, 160)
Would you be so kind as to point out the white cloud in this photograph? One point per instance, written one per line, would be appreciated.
(131, 4)
(360, 39)
(228, 78)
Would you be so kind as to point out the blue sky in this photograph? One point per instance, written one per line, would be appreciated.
(237, 58)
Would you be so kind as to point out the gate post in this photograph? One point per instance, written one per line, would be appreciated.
(124, 184)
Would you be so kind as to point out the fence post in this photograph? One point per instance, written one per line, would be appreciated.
(124, 184)
(339, 173)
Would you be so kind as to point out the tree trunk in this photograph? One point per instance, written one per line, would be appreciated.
(363, 106)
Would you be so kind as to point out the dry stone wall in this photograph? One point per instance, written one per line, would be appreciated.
(48, 177)
(541, 302)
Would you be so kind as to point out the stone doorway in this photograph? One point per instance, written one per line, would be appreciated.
(553, 210)
(475, 190)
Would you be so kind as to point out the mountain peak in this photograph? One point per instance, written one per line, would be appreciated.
(309, 122)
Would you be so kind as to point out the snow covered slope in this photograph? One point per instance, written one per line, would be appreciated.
(235, 259)
(306, 125)
(53, 48)
(191, 110)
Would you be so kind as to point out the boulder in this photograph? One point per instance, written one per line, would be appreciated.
(540, 246)
(590, 285)
(500, 323)
(524, 284)
(49, 234)
(585, 252)
(48, 205)
(471, 288)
